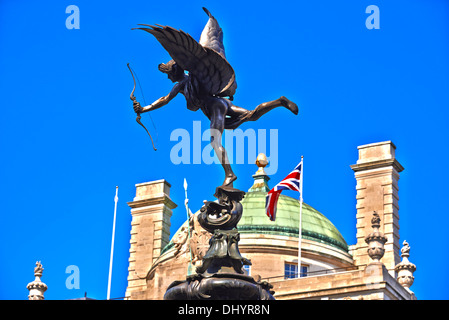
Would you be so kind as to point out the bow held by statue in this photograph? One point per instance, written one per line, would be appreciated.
(133, 98)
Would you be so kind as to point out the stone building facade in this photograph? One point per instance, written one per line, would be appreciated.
(329, 267)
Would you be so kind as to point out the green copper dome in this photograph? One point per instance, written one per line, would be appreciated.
(315, 226)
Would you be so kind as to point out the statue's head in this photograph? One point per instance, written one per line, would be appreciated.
(173, 70)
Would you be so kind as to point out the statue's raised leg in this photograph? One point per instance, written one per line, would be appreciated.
(240, 115)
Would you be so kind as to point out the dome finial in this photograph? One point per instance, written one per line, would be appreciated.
(261, 162)
(260, 177)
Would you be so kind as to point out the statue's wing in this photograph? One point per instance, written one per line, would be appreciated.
(212, 35)
(209, 67)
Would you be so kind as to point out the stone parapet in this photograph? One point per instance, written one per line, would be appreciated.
(371, 283)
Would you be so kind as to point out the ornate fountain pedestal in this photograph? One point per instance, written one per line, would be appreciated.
(219, 286)
(221, 275)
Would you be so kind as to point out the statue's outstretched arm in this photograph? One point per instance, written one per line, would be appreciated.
(162, 101)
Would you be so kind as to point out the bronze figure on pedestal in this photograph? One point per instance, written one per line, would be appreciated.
(202, 74)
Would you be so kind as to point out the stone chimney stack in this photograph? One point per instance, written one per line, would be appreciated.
(151, 211)
(377, 174)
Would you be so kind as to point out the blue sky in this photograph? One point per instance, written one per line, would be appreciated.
(68, 134)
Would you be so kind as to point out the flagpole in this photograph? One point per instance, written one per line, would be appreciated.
(112, 244)
(300, 217)
(189, 267)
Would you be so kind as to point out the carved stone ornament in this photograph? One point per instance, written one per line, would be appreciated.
(181, 243)
(405, 268)
(37, 287)
(376, 240)
(38, 269)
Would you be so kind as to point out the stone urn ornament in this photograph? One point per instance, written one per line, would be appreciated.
(405, 268)
(376, 240)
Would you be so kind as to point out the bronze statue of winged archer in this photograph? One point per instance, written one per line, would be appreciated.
(209, 84)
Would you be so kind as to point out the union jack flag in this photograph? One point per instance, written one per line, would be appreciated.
(291, 182)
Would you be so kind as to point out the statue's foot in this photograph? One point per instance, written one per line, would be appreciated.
(289, 104)
(228, 182)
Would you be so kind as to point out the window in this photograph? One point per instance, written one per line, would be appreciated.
(304, 270)
(291, 270)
